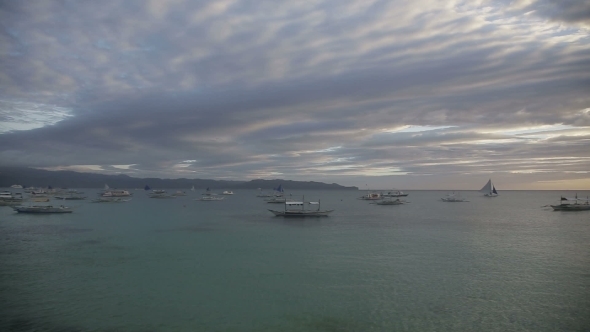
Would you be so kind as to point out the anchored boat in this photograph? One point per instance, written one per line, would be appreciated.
(42, 209)
(110, 200)
(452, 198)
(8, 198)
(292, 210)
(395, 193)
(374, 196)
(389, 201)
(572, 204)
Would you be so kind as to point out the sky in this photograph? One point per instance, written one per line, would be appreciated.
(418, 94)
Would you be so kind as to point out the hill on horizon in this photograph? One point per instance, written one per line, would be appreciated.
(70, 179)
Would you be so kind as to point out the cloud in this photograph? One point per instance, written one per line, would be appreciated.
(566, 11)
(319, 90)
(15, 115)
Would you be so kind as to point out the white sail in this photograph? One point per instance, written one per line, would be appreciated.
(106, 187)
(489, 189)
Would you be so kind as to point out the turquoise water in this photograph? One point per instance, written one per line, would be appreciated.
(492, 264)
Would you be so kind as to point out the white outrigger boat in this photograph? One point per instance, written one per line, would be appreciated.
(371, 196)
(572, 204)
(394, 193)
(110, 200)
(302, 212)
(71, 196)
(452, 198)
(158, 193)
(42, 209)
(208, 198)
(8, 198)
(389, 201)
(116, 193)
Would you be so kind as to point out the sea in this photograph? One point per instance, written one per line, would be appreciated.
(508, 263)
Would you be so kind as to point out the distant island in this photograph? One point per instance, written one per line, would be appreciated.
(69, 179)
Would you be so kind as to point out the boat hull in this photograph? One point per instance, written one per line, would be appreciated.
(9, 202)
(112, 200)
(571, 207)
(42, 210)
(300, 213)
(275, 201)
(209, 199)
(162, 196)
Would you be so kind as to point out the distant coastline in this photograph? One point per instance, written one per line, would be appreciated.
(69, 179)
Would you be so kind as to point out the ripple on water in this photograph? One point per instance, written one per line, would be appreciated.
(28, 324)
(44, 229)
(190, 229)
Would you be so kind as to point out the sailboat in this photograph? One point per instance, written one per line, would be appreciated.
(489, 189)
(193, 188)
(279, 191)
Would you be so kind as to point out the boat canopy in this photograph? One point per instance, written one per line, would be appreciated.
(293, 203)
(573, 199)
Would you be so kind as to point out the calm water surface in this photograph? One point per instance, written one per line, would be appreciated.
(492, 264)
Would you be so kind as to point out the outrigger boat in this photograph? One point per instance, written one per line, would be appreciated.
(210, 198)
(158, 193)
(8, 198)
(263, 194)
(116, 193)
(71, 197)
(42, 209)
(389, 201)
(290, 212)
(452, 198)
(110, 200)
(371, 197)
(571, 204)
(395, 193)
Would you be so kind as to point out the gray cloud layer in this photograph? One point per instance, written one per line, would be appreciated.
(389, 93)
